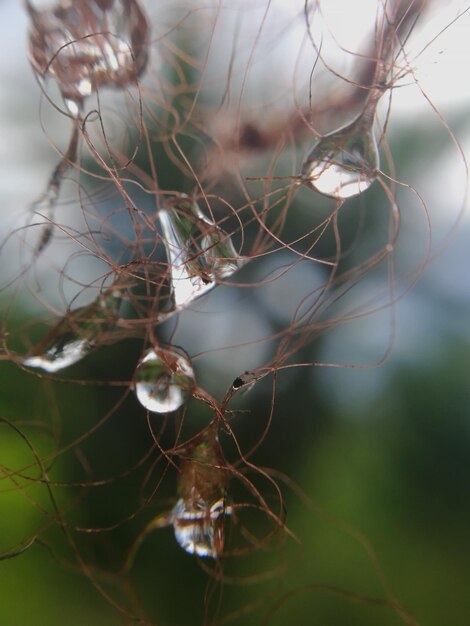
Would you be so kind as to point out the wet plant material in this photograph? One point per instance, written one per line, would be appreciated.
(231, 197)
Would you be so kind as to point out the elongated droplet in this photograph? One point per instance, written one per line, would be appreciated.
(47, 204)
(88, 44)
(198, 517)
(199, 252)
(76, 334)
(164, 380)
(343, 163)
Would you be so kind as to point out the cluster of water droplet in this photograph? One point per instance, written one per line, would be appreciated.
(89, 45)
(199, 254)
(84, 46)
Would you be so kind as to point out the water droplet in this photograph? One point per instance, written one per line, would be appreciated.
(199, 252)
(198, 517)
(343, 163)
(60, 354)
(46, 205)
(164, 380)
(76, 334)
(87, 45)
(199, 527)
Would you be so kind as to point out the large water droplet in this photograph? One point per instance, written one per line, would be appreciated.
(199, 527)
(343, 163)
(199, 252)
(60, 354)
(198, 517)
(76, 334)
(164, 380)
(88, 44)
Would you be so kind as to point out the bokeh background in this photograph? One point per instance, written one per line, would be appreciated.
(381, 452)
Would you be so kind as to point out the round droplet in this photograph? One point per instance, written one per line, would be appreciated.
(164, 380)
(89, 44)
(343, 163)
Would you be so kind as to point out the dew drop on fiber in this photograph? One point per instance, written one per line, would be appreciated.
(199, 252)
(164, 380)
(198, 516)
(77, 334)
(343, 163)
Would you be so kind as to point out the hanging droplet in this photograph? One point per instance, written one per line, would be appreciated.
(343, 163)
(198, 516)
(76, 334)
(199, 252)
(164, 380)
(199, 527)
(87, 45)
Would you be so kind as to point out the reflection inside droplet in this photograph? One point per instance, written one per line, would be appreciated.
(199, 252)
(164, 380)
(87, 45)
(343, 163)
(60, 355)
(199, 527)
(198, 516)
(76, 334)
